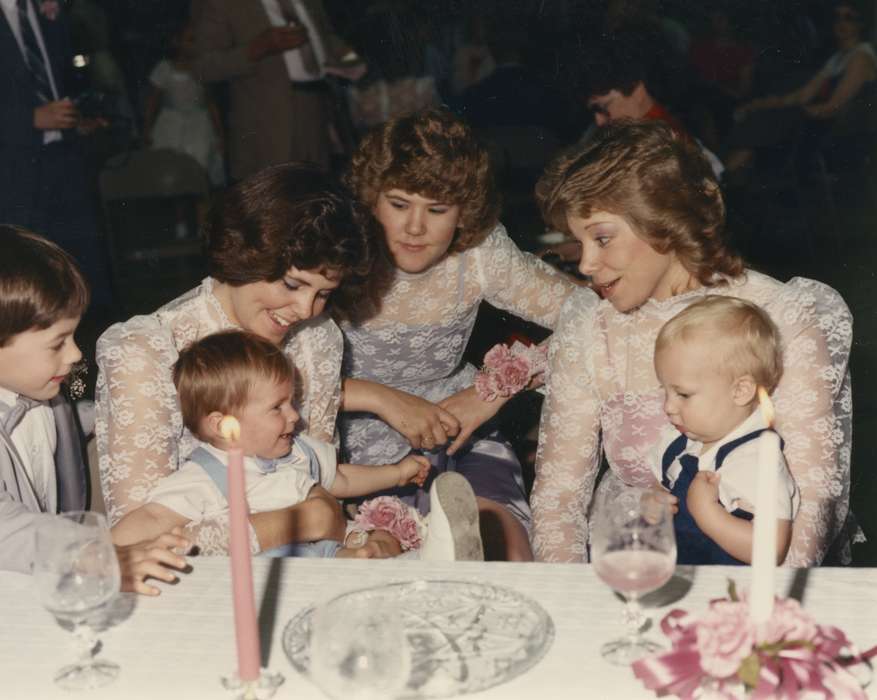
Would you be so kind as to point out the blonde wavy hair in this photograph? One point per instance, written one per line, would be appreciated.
(742, 337)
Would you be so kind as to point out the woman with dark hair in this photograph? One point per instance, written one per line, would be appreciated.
(430, 185)
(282, 246)
(829, 94)
(649, 214)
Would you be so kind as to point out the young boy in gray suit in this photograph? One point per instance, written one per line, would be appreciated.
(42, 472)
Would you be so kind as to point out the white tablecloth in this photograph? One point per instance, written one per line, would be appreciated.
(178, 644)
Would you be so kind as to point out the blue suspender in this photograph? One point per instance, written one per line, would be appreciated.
(313, 460)
(693, 547)
(215, 469)
(218, 471)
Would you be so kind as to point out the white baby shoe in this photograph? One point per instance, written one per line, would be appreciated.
(453, 533)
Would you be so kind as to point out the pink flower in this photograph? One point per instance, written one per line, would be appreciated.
(507, 370)
(788, 623)
(724, 638)
(497, 356)
(379, 513)
(407, 531)
(485, 386)
(50, 9)
(390, 514)
(513, 376)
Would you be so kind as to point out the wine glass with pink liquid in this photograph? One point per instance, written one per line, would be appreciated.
(633, 550)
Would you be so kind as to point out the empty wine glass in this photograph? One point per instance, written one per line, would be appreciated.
(633, 549)
(359, 653)
(77, 575)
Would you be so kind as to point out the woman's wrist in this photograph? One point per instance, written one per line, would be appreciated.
(362, 395)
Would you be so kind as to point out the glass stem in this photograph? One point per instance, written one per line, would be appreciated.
(634, 619)
(85, 641)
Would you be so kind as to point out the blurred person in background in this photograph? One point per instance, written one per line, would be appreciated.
(43, 181)
(180, 114)
(834, 102)
(275, 55)
(392, 37)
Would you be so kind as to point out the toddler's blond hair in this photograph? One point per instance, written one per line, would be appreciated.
(744, 340)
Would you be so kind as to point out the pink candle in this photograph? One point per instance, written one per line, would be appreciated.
(245, 621)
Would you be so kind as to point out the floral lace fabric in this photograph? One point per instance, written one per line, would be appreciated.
(603, 395)
(416, 342)
(139, 427)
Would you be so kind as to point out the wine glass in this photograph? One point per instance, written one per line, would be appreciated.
(359, 652)
(633, 549)
(77, 575)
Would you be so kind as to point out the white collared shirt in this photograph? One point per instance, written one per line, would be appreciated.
(191, 492)
(294, 65)
(35, 438)
(739, 471)
(11, 12)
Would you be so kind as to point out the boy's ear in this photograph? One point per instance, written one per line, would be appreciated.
(210, 426)
(745, 390)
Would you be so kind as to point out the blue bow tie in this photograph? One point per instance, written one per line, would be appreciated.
(269, 466)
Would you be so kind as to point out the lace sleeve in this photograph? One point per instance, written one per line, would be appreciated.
(569, 437)
(316, 350)
(519, 282)
(139, 426)
(814, 413)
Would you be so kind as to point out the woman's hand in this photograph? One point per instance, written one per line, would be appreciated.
(151, 559)
(471, 412)
(424, 424)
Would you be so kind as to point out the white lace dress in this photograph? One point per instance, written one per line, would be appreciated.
(416, 342)
(602, 388)
(139, 427)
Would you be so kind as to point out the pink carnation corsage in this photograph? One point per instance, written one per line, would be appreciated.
(508, 370)
(721, 654)
(390, 514)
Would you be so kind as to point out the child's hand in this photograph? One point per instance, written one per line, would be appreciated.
(659, 496)
(413, 470)
(703, 494)
(152, 559)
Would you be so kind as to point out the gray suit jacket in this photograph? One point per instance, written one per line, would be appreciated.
(19, 507)
(262, 123)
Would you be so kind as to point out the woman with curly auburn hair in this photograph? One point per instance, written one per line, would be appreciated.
(649, 214)
(282, 246)
(429, 183)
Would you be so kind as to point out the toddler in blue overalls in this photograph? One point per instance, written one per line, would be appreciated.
(241, 374)
(711, 359)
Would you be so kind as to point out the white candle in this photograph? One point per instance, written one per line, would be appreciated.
(764, 528)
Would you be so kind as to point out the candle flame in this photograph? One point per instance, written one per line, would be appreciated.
(230, 428)
(766, 404)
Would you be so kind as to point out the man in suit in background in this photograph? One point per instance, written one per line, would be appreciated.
(43, 182)
(275, 55)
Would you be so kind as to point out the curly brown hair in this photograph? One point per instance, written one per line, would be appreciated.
(434, 154)
(293, 215)
(661, 184)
